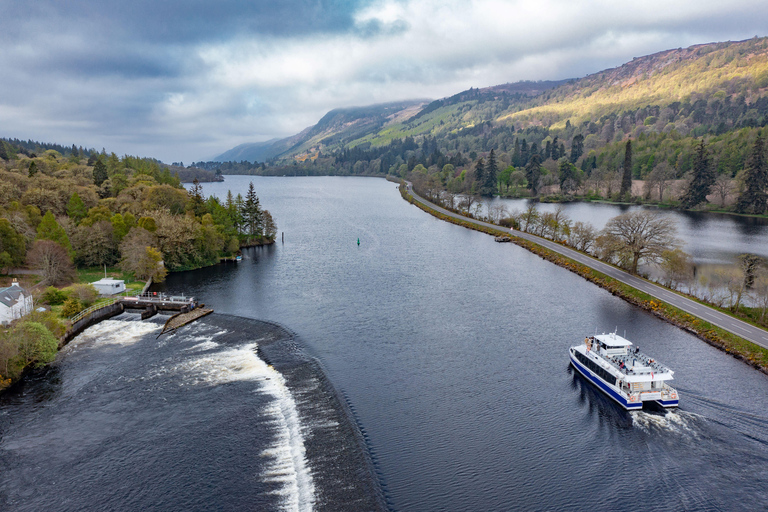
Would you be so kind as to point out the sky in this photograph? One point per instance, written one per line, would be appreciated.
(185, 80)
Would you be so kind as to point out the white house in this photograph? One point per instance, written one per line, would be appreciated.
(109, 286)
(15, 302)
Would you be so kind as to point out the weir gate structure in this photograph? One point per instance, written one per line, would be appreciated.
(150, 303)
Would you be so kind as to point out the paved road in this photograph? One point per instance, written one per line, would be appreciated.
(754, 334)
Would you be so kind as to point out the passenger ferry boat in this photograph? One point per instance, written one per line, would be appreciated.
(622, 372)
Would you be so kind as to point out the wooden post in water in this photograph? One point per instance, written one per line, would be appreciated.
(282, 236)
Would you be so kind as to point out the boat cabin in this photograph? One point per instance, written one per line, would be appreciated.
(609, 344)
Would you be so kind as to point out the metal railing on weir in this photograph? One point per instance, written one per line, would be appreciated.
(148, 296)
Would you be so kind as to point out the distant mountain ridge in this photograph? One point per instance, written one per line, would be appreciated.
(708, 88)
(347, 125)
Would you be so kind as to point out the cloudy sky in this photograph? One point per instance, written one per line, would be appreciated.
(189, 79)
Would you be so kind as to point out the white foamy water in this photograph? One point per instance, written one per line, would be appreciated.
(113, 332)
(206, 345)
(672, 420)
(287, 464)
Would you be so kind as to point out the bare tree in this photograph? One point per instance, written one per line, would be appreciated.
(582, 236)
(760, 292)
(497, 212)
(640, 236)
(530, 217)
(723, 187)
(678, 268)
(53, 261)
(659, 179)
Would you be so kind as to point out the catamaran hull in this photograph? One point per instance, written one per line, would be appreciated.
(604, 387)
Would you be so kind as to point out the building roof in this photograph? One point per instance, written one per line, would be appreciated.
(108, 280)
(12, 295)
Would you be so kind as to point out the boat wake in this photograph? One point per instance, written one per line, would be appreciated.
(676, 421)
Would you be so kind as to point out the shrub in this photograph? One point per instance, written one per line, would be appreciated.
(85, 293)
(71, 307)
(53, 296)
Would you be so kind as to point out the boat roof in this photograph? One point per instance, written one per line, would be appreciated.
(613, 340)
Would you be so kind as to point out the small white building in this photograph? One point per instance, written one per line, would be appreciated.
(109, 286)
(15, 302)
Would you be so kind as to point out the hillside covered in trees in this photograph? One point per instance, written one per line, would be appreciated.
(567, 139)
(66, 209)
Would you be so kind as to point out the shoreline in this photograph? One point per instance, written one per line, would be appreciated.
(740, 348)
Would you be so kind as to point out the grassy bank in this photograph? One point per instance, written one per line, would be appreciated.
(738, 347)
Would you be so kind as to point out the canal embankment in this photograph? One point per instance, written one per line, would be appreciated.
(743, 341)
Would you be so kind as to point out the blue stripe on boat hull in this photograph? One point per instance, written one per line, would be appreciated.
(668, 403)
(604, 387)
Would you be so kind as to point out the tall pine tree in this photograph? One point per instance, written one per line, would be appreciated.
(479, 175)
(753, 199)
(533, 173)
(251, 211)
(702, 178)
(99, 172)
(491, 175)
(626, 177)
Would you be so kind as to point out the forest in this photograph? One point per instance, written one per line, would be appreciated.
(61, 213)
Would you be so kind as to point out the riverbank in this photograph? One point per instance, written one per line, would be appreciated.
(714, 335)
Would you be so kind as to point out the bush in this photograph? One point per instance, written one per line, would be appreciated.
(71, 307)
(53, 296)
(85, 293)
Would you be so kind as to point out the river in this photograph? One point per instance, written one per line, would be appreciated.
(451, 353)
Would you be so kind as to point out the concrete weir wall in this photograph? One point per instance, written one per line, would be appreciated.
(90, 319)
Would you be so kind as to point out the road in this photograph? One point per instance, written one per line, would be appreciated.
(749, 332)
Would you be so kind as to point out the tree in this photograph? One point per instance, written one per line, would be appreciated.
(251, 212)
(626, 177)
(753, 199)
(196, 199)
(140, 257)
(582, 236)
(723, 187)
(491, 175)
(570, 178)
(76, 209)
(270, 228)
(702, 179)
(480, 175)
(3, 152)
(577, 148)
(32, 168)
(36, 344)
(95, 245)
(533, 174)
(49, 229)
(53, 260)
(100, 174)
(13, 248)
(658, 179)
(530, 217)
(640, 236)
(678, 268)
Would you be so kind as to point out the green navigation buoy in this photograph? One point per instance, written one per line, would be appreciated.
(358, 241)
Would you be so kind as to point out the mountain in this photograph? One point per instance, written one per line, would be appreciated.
(335, 128)
(250, 151)
(666, 103)
(344, 127)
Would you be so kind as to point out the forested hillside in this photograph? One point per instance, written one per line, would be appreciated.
(569, 139)
(105, 210)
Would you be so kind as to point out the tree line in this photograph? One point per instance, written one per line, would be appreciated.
(59, 213)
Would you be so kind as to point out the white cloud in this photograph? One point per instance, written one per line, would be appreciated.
(196, 99)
